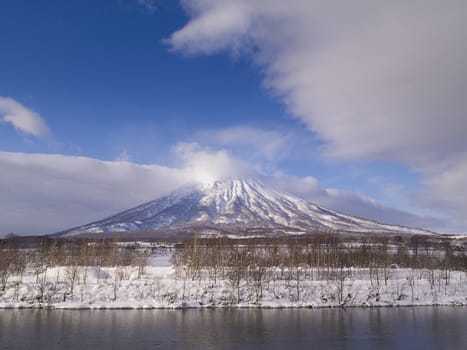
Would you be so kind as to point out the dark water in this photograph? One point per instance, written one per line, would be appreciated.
(383, 328)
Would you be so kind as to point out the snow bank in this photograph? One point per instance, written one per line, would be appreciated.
(161, 287)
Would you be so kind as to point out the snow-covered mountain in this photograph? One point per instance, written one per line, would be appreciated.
(242, 207)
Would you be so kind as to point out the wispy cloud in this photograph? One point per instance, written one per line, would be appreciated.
(356, 204)
(22, 118)
(150, 5)
(124, 156)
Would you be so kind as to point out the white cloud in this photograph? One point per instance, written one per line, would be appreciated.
(366, 76)
(43, 193)
(22, 118)
(375, 80)
(445, 187)
(205, 165)
(46, 193)
(216, 25)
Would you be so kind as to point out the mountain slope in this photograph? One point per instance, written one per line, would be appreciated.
(234, 206)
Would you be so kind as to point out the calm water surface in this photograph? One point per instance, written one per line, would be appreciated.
(383, 328)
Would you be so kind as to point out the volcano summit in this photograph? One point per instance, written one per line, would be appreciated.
(234, 207)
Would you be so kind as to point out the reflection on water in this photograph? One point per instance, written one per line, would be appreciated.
(355, 328)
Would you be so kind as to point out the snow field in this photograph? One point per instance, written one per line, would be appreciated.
(163, 286)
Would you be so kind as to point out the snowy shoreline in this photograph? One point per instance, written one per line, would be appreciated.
(6, 306)
(160, 287)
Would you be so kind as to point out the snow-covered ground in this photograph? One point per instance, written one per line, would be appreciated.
(161, 287)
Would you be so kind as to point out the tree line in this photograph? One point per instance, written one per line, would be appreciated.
(259, 263)
(254, 263)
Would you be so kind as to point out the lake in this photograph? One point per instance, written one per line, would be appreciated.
(353, 328)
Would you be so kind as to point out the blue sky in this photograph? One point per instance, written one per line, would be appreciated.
(102, 70)
(138, 80)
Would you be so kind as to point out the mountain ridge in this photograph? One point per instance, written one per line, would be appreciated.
(233, 206)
